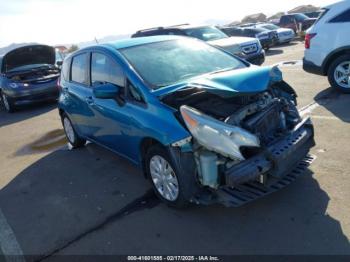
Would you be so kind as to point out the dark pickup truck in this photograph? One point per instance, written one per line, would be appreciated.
(293, 21)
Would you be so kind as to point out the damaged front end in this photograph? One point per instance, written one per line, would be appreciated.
(245, 145)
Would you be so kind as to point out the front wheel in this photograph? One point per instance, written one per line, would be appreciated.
(170, 183)
(71, 134)
(339, 74)
(7, 103)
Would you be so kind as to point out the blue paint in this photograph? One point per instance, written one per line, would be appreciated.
(123, 127)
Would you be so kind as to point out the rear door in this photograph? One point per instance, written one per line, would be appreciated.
(80, 94)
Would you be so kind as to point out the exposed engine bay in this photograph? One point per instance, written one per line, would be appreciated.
(37, 74)
(265, 114)
(234, 137)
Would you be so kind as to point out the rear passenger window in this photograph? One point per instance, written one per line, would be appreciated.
(79, 66)
(65, 69)
(341, 18)
(105, 70)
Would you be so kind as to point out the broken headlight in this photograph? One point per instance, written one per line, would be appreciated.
(217, 136)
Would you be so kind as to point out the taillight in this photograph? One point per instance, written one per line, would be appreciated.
(308, 38)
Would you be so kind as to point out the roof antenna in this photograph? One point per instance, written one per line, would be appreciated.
(96, 41)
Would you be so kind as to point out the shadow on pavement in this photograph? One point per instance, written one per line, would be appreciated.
(83, 196)
(67, 193)
(50, 141)
(290, 222)
(288, 44)
(25, 112)
(335, 102)
(271, 52)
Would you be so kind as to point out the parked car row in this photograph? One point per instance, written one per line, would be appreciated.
(268, 34)
(247, 48)
(29, 73)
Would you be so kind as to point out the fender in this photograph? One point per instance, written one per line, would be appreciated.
(329, 58)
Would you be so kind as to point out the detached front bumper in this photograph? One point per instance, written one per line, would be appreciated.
(277, 160)
(278, 166)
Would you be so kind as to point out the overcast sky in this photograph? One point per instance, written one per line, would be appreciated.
(73, 21)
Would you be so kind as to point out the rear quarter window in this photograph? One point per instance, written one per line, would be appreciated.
(65, 69)
(79, 69)
(343, 17)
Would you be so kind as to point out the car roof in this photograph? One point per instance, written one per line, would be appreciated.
(177, 27)
(130, 42)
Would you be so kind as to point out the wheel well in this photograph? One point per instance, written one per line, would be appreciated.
(332, 58)
(146, 143)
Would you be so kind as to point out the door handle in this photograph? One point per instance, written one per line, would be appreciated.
(89, 100)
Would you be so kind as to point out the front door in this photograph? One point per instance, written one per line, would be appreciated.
(111, 117)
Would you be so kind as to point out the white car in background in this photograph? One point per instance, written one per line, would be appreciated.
(285, 35)
(327, 46)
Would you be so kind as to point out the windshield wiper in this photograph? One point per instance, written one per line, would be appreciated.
(222, 70)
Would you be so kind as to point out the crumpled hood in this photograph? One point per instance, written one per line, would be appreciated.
(234, 40)
(252, 79)
(28, 55)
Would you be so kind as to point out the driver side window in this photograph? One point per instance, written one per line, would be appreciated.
(105, 70)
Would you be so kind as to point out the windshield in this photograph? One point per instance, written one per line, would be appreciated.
(300, 17)
(206, 33)
(270, 27)
(258, 29)
(168, 62)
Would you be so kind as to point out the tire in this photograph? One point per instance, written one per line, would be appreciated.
(72, 136)
(181, 180)
(7, 103)
(334, 73)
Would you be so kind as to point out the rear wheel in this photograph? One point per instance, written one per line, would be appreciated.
(7, 103)
(71, 134)
(339, 73)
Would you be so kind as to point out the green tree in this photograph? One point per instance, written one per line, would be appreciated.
(73, 48)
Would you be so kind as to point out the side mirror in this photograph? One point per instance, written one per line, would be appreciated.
(106, 91)
(59, 63)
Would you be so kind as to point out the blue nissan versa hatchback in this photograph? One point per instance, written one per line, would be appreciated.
(205, 126)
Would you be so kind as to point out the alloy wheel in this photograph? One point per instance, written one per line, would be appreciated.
(342, 74)
(68, 129)
(164, 178)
